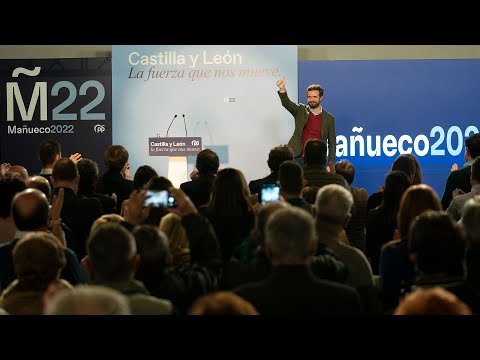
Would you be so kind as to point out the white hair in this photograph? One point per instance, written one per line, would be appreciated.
(88, 300)
(333, 203)
(290, 233)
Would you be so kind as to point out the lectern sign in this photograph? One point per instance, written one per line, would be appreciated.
(174, 146)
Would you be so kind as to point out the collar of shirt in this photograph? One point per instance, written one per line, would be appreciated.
(46, 172)
(321, 110)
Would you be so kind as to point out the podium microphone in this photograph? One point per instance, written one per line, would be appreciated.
(171, 124)
(185, 124)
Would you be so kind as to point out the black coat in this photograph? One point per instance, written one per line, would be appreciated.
(113, 182)
(199, 190)
(294, 290)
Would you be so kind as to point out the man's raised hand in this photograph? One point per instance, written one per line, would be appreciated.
(76, 157)
(281, 83)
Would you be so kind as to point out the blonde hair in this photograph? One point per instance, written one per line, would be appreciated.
(106, 219)
(222, 303)
(171, 225)
(432, 301)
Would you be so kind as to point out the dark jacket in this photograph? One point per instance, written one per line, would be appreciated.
(108, 204)
(113, 182)
(324, 265)
(79, 213)
(199, 190)
(294, 290)
(379, 231)
(256, 185)
(456, 179)
(317, 176)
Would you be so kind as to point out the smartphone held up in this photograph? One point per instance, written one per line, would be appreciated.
(160, 199)
(269, 193)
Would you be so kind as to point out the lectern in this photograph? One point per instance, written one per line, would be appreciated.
(177, 149)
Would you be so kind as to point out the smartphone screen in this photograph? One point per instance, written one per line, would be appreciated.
(160, 199)
(269, 193)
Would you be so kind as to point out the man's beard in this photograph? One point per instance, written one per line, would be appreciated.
(313, 105)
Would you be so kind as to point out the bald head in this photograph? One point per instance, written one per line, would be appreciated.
(30, 210)
(20, 170)
(40, 183)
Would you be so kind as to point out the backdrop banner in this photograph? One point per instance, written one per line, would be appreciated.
(384, 108)
(68, 100)
(226, 95)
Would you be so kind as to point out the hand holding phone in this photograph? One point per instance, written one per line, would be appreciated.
(269, 193)
(159, 199)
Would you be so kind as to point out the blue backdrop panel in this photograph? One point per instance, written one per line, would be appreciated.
(424, 107)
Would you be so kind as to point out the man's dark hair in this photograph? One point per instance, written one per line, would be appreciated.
(396, 183)
(153, 247)
(64, 170)
(37, 213)
(207, 162)
(438, 243)
(472, 143)
(278, 155)
(158, 183)
(10, 184)
(316, 87)
(115, 157)
(88, 171)
(111, 248)
(346, 169)
(143, 174)
(315, 152)
(49, 149)
(290, 176)
(408, 163)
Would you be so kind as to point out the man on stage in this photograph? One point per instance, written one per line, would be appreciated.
(311, 122)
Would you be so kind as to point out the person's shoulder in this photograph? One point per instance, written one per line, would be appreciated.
(90, 202)
(461, 199)
(338, 177)
(104, 197)
(256, 182)
(6, 248)
(185, 184)
(359, 190)
(460, 172)
(334, 286)
(249, 289)
(374, 213)
(327, 114)
(390, 245)
(359, 193)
